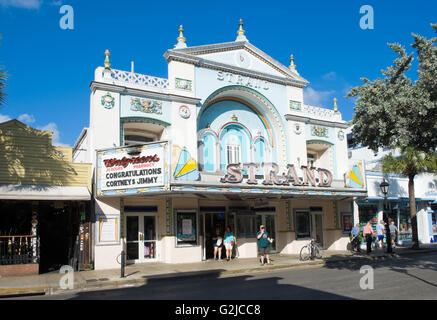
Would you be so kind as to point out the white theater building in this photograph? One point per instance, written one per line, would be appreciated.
(225, 140)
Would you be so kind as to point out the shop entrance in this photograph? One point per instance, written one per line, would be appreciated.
(211, 221)
(317, 227)
(58, 224)
(141, 237)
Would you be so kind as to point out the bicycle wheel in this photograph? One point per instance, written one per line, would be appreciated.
(317, 252)
(305, 253)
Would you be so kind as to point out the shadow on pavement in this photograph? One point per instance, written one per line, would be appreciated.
(400, 264)
(212, 287)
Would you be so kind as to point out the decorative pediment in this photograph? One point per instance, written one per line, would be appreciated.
(238, 56)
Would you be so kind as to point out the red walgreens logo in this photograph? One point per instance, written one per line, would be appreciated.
(126, 161)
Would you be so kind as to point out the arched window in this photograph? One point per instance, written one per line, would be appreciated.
(259, 151)
(209, 152)
(234, 146)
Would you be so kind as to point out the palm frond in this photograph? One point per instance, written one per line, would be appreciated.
(410, 163)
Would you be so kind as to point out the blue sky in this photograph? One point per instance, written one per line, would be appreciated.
(50, 69)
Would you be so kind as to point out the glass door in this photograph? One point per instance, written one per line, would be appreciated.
(149, 238)
(141, 238)
(132, 238)
(317, 227)
(270, 227)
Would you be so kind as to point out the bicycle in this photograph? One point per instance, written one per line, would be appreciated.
(310, 251)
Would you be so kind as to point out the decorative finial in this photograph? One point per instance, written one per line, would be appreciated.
(335, 105)
(234, 117)
(292, 65)
(181, 39)
(241, 32)
(107, 63)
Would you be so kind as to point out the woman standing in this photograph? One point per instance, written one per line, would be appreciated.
(217, 244)
(230, 240)
(368, 234)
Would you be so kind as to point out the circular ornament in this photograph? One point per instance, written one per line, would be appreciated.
(340, 135)
(184, 112)
(297, 128)
(242, 59)
(108, 101)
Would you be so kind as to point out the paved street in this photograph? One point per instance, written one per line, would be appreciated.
(407, 277)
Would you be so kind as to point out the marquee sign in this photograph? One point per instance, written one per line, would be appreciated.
(135, 169)
(316, 177)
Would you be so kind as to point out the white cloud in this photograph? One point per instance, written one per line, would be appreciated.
(55, 136)
(28, 118)
(330, 76)
(4, 118)
(26, 4)
(317, 98)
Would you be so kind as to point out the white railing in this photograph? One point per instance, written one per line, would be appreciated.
(133, 79)
(321, 113)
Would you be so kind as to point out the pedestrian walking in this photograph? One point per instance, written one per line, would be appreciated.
(355, 242)
(393, 232)
(218, 241)
(263, 244)
(380, 231)
(230, 241)
(368, 234)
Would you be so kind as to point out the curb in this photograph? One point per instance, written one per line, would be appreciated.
(29, 291)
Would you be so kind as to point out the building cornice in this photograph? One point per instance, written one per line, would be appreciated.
(94, 85)
(337, 124)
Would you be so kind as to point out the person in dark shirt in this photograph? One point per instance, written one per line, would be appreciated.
(263, 244)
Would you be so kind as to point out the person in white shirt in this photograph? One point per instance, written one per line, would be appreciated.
(380, 230)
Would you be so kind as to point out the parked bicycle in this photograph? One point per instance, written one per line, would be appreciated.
(310, 251)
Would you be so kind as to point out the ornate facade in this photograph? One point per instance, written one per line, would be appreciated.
(235, 145)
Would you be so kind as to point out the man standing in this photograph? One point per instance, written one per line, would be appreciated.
(263, 243)
(355, 233)
(380, 229)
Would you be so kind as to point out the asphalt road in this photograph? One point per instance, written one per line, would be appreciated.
(407, 277)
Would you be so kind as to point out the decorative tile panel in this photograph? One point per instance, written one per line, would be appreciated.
(183, 84)
(295, 105)
(146, 106)
(319, 131)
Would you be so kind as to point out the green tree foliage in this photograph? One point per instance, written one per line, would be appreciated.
(410, 163)
(394, 111)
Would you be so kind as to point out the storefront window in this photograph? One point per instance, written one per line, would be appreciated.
(405, 229)
(247, 225)
(346, 222)
(302, 224)
(186, 227)
(366, 213)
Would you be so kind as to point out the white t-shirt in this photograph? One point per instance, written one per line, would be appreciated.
(380, 229)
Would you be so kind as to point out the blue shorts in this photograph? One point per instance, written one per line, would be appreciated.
(380, 237)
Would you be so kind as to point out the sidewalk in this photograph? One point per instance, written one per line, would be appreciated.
(139, 274)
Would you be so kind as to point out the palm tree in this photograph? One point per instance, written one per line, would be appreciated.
(409, 164)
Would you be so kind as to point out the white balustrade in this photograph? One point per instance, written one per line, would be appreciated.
(127, 78)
